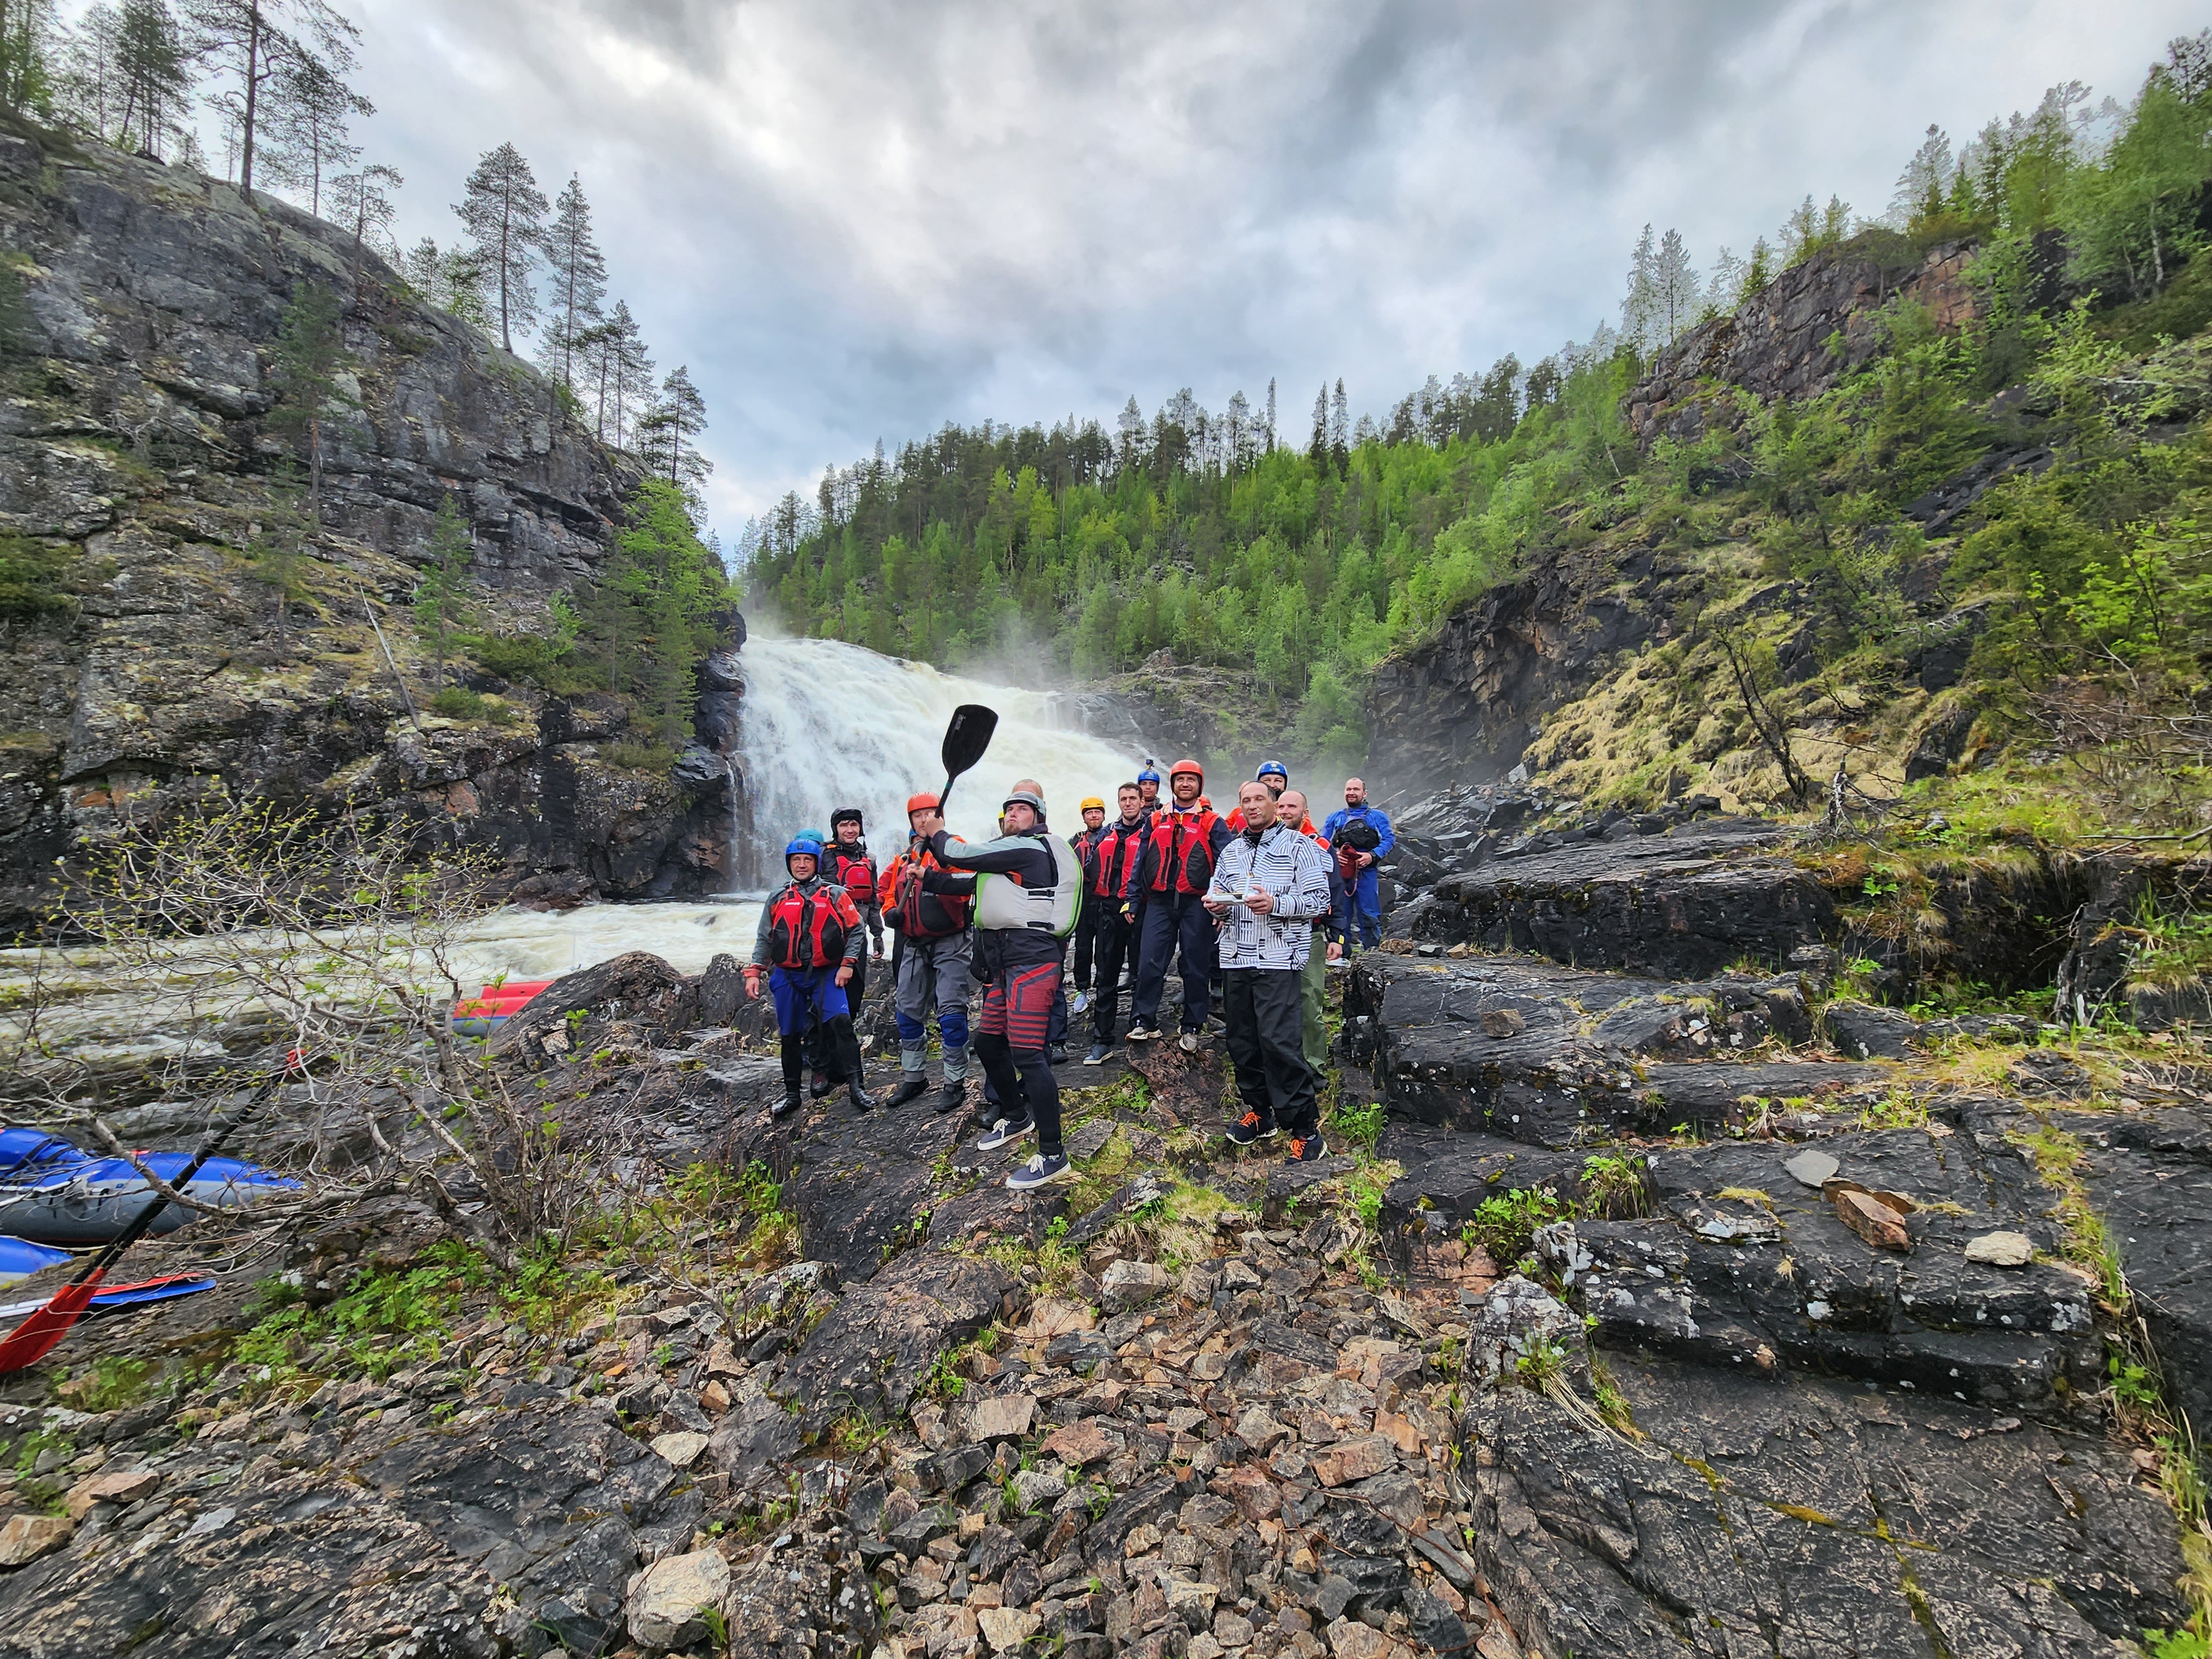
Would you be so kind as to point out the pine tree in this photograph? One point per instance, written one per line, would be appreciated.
(1317, 450)
(1674, 289)
(1725, 287)
(630, 369)
(364, 209)
(1926, 177)
(28, 42)
(666, 435)
(442, 591)
(253, 41)
(578, 280)
(151, 66)
(1759, 269)
(505, 214)
(1339, 428)
(310, 357)
(308, 112)
(1271, 414)
(1639, 308)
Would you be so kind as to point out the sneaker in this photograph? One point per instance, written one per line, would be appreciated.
(1003, 1134)
(1041, 1171)
(1307, 1149)
(1252, 1126)
(1188, 1043)
(953, 1095)
(1056, 1055)
(1098, 1053)
(913, 1087)
(1141, 1033)
(1079, 1002)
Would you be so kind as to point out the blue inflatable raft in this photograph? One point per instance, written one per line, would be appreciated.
(54, 1192)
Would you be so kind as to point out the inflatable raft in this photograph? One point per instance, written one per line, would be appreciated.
(52, 1192)
(484, 1013)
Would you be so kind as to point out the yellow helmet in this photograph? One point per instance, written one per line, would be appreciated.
(1089, 801)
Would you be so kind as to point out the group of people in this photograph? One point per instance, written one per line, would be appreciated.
(1248, 907)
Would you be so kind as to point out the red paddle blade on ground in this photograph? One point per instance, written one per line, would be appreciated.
(33, 1339)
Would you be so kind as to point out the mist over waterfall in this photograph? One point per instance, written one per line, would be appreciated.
(826, 725)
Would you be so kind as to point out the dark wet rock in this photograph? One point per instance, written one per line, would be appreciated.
(873, 1351)
(1864, 1031)
(417, 1533)
(637, 987)
(808, 1595)
(1680, 906)
(1803, 1518)
(2094, 972)
(1579, 1058)
(1745, 1267)
(2149, 1175)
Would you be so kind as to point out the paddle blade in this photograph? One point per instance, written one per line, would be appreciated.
(33, 1339)
(968, 737)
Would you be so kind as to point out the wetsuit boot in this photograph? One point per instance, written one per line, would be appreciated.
(846, 1046)
(794, 1065)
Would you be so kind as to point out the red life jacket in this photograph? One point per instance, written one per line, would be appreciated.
(1181, 856)
(854, 872)
(1114, 849)
(808, 929)
(923, 915)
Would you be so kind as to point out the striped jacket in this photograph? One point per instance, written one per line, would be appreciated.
(1294, 869)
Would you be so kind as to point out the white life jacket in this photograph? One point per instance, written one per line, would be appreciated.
(1002, 903)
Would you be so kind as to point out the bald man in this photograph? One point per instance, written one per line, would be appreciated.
(1363, 888)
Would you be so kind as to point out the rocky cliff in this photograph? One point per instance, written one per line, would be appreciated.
(1551, 671)
(157, 651)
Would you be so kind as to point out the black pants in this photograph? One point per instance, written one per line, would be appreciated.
(1116, 945)
(1021, 1075)
(1264, 1010)
(822, 1052)
(837, 1040)
(1170, 921)
(1087, 927)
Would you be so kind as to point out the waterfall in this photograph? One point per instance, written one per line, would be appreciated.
(826, 725)
(736, 820)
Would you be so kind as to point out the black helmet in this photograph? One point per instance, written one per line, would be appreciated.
(844, 812)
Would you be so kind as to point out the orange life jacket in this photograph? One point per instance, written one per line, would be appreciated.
(923, 915)
(1180, 854)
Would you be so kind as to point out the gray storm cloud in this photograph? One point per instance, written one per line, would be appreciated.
(856, 220)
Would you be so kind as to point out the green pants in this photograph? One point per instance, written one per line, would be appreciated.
(1316, 1035)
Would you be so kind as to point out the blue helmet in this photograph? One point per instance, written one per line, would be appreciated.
(819, 840)
(1148, 776)
(802, 843)
(1272, 770)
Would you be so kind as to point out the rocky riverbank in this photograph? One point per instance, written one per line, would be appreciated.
(1659, 1295)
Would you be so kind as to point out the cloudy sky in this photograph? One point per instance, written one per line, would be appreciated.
(855, 219)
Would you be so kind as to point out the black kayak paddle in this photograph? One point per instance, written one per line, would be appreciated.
(966, 738)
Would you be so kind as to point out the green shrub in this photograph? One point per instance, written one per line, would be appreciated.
(458, 702)
(628, 757)
(32, 578)
(1506, 1225)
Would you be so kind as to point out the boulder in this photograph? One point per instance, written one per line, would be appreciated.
(1130, 1285)
(25, 1538)
(668, 1601)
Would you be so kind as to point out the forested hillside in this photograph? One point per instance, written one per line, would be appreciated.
(1311, 556)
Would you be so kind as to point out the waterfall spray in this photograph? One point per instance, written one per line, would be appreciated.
(826, 725)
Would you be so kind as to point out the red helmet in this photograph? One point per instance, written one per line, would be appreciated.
(1187, 764)
(920, 804)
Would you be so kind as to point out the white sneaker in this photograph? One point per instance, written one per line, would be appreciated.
(1188, 1043)
(1041, 1171)
(1003, 1133)
(1077, 1003)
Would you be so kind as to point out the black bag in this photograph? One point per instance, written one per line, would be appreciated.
(1359, 835)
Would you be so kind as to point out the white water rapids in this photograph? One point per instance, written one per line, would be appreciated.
(829, 725)
(824, 725)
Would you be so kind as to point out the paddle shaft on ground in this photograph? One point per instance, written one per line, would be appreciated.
(967, 735)
(33, 1339)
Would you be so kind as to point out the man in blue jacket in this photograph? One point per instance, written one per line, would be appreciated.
(1362, 891)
